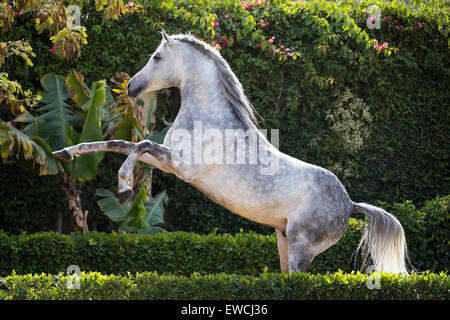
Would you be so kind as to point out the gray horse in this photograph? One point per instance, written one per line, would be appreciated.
(216, 146)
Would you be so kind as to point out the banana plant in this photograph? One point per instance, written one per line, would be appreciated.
(14, 142)
(141, 216)
(71, 112)
(56, 122)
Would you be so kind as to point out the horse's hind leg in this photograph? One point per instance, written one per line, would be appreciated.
(282, 244)
(310, 232)
(300, 254)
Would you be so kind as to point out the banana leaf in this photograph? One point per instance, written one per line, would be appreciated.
(85, 168)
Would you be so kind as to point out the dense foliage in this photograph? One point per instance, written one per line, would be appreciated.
(150, 285)
(374, 113)
(183, 253)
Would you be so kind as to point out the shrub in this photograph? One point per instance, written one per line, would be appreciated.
(438, 225)
(150, 285)
(183, 253)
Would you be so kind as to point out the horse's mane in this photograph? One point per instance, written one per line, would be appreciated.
(231, 87)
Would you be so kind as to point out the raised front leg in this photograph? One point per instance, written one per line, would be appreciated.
(119, 146)
(159, 152)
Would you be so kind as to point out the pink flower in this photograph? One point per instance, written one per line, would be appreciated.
(53, 49)
(287, 49)
(270, 40)
(273, 38)
(398, 28)
(182, 8)
(282, 47)
(216, 24)
(395, 21)
(258, 45)
(419, 24)
(224, 40)
(276, 50)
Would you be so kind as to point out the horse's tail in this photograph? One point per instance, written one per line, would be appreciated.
(383, 238)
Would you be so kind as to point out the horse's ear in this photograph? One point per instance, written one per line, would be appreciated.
(166, 37)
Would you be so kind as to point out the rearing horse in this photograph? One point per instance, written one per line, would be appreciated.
(307, 205)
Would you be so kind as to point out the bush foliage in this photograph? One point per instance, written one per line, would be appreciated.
(375, 114)
(150, 285)
(183, 253)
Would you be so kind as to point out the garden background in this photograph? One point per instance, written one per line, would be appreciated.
(369, 104)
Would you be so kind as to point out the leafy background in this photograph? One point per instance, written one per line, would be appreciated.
(377, 120)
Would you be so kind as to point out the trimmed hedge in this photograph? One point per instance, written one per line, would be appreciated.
(405, 156)
(183, 253)
(225, 286)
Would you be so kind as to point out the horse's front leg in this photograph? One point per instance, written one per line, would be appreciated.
(119, 146)
(159, 152)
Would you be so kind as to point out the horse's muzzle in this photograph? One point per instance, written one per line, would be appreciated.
(133, 90)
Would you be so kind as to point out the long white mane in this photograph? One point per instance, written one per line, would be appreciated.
(231, 87)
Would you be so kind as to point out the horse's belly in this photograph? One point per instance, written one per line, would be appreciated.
(252, 206)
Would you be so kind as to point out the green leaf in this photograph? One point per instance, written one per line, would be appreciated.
(109, 204)
(52, 124)
(155, 208)
(86, 167)
(77, 90)
(138, 209)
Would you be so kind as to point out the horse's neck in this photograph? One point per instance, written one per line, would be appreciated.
(202, 100)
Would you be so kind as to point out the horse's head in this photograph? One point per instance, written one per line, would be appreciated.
(161, 70)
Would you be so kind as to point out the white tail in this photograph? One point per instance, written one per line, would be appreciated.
(383, 238)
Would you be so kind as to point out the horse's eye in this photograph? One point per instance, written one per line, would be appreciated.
(157, 57)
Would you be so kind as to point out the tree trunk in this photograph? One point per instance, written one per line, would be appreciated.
(59, 222)
(73, 192)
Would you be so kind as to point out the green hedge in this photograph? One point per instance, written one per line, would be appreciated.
(183, 253)
(224, 286)
(398, 148)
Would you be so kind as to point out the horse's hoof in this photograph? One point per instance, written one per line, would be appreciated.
(125, 196)
(63, 155)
